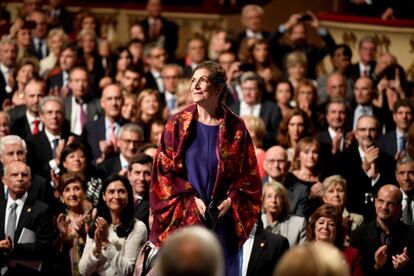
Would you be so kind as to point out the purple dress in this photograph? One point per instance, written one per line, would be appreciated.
(202, 162)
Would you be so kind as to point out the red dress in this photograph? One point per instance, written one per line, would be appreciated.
(353, 259)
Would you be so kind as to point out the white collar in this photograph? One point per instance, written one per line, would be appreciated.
(250, 33)
(399, 133)
(50, 136)
(4, 69)
(361, 153)
(30, 117)
(20, 201)
(124, 161)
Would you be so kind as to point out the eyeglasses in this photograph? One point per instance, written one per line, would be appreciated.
(276, 161)
(128, 141)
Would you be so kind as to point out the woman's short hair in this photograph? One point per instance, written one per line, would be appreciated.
(217, 77)
(68, 149)
(296, 57)
(333, 180)
(328, 211)
(57, 32)
(69, 178)
(308, 83)
(281, 190)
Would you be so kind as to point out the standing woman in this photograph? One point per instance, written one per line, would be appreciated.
(115, 239)
(205, 169)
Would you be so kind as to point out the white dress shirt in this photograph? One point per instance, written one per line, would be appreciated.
(247, 250)
(400, 134)
(44, 45)
(332, 134)
(107, 129)
(253, 110)
(30, 119)
(404, 202)
(5, 71)
(124, 162)
(251, 34)
(75, 120)
(158, 80)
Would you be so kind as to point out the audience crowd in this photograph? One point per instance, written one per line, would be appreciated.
(81, 120)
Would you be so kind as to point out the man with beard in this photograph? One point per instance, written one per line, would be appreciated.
(139, 175)
(386, 245)
(394, 142)
(365, 167)
(296, 30)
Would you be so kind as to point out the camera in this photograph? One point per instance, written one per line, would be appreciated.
(305, 17)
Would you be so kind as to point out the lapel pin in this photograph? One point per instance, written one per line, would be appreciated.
(262, 244)
(29, 210)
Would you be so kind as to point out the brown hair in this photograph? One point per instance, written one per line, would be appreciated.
(283, 137)
(301, 146)
(69, 178)
(331, 212)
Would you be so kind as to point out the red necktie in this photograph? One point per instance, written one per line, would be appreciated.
(36, 123)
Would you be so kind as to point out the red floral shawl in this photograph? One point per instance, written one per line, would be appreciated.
(172, 197)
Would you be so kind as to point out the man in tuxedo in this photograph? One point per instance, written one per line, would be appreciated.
(364, 94)
(295, 28)
(261, 252)
(139, 175)
(27, 119)
(252, 21)
(386, 245)
(252, 104)
(365, 167)
(171, 75)
(59, 78)
(129, 139)
(395, 141)
(405, 178)
(132, 80)
(38, 46)
(155, 58)
(196, 54)
(99, 136)
(159, 29)
(44, 147)
(13, 148)
(79, 106)
(367, 51)
(22, 216)
(8, 55)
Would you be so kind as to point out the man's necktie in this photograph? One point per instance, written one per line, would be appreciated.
(36, 123)
(55, 144)
(39, 51)
(11, 222)
(403, 140)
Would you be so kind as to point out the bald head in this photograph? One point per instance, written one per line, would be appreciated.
(388, 204)
(336, 86)
(276, 163)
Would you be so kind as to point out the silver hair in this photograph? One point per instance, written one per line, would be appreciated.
(131, 127)
(51, 99)
(12, 139)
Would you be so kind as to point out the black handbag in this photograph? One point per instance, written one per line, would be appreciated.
(211, 216)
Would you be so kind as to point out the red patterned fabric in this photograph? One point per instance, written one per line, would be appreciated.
(172, 197)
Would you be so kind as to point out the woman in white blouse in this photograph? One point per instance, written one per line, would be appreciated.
(116, 237)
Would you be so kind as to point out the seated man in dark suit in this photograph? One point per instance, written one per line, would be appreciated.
(364, 93)
(59, 78)
(155, 57)
(13, 148)
(367, 51)
(405, 178)
(26, 228)
(365, 168)
(139, 175)
(196, 54)
(333, 140)
(99, 136)
(261, 252)
(386, 245)
(129, 139)
(276, 165)
(27, 123)
(395, 141)
(159, 29)
(79, 106)
(252, 104)
(252, 21)
(43, 147)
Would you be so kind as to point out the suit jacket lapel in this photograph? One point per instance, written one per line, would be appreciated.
(259, 244)
(101, 129)
(24, 216)
(3, 217)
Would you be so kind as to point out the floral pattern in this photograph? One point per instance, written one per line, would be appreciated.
(172, 197)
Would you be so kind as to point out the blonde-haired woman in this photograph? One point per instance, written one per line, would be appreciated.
(55, 41)
(296, 66)
(276, 217)
(335, 193)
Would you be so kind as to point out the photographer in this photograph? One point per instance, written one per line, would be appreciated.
(296, 30)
